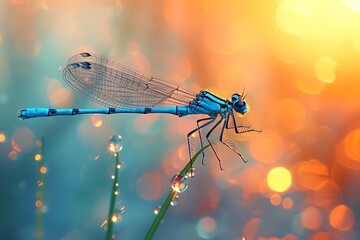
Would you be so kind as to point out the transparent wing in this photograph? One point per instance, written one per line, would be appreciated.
(112, 84)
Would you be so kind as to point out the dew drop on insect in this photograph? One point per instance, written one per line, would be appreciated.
(115, 144)
(179, 183)
(157, 210)
(174, 201)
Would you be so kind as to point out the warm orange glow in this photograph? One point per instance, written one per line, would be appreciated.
(111, 147)
(23, 139)
(310, 20)
(312, 174)
(287, 116)
(325, 69)
(287, 203)
(279, 179)
(2, 137)
(352, 97)
(311, 218)
(114, 218)
(275, 199)
(43, 170)
(271, 145)
(57, 94)
(309, 85)
(347, 150)
(327, 195)
(249, 178)
(342, 218)
(96, 120)
(228, 79)
(322, 235)
(179, 67)
(251, 228)
(15, 146)
(38, 203)
(352, 144)
(37, 157)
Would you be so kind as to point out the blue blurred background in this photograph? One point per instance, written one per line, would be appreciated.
(298, 63)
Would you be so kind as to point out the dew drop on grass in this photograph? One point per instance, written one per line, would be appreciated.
(115, 144)
(174, 201)
(179, 183)
(191, 173)
(157, 210)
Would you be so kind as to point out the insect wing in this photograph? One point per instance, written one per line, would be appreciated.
(112, 84)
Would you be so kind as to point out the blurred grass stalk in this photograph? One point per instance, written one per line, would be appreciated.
(114, 193)
(170, 197)
(40, 159)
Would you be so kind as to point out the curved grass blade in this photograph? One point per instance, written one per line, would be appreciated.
(171, 195)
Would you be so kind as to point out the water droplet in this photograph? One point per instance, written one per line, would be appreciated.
(37, 157)
(191, 173)
(157, 210)
(115, 144)
(179, 183)
(175, 201)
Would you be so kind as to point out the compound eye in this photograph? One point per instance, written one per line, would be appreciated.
(235, 97)
(240, 106)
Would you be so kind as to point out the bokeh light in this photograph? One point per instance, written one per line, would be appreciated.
(342, 218)
(37, 157)
(206, 227)
(298, 61)
(279, 179)
(287, 203)
(271, 145)
(325, 69)
(312, 174)
(23, 139)
(352, 144)
(275, 199)
(58, 95)
(311, 218)
(287, 116)
(150, 186)
(2, 137)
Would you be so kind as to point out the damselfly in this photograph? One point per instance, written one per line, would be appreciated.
(124, 90)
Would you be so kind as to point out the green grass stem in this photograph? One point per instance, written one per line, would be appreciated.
(40, 191)
(110, 222)
(171, 195)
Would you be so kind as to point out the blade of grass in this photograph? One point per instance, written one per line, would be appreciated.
(171, 195)
(40, 162)
(110, 222)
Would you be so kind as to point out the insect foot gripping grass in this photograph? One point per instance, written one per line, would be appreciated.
(179, 185)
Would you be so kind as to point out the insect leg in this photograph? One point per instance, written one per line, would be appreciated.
(244, 128)
(197, 129)
(211, 145)
(200, 136)
(226, 144)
